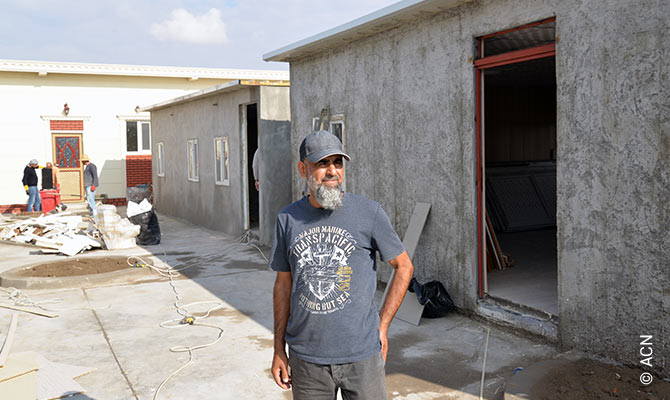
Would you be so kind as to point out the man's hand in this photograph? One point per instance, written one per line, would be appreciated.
(281, 309)
(384, 339)
(92, 188)
(398, 287)
(257, 186)
(280, 370)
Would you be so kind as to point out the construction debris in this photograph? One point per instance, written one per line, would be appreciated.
(72, 234)
(117, 233)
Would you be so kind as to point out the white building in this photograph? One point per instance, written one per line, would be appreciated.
(101, 119)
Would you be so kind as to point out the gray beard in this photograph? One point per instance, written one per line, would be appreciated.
(330, 198)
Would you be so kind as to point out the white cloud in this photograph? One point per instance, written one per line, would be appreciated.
(183, 26)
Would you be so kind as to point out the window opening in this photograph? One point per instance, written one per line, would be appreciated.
(138, 136)
(192, 148)
(160, 155)
(221, 161)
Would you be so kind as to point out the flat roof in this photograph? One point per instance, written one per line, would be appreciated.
(56, 67)
(379, 21)
(210, 91)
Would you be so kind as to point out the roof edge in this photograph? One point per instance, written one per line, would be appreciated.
(43, 68)
(367, 25)
(210, 91)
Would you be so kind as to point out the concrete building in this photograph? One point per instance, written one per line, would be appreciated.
(551, 115)
(203, 148)
(101, 119)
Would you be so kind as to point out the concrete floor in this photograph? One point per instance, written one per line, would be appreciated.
(115, 329)
(533, 280)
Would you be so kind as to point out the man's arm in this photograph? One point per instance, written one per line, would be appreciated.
(282, 308)
(94, 172)
(403, 274)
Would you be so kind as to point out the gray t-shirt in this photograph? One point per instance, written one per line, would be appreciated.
(331, 255)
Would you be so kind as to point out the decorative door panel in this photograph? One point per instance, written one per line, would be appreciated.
(67, 151)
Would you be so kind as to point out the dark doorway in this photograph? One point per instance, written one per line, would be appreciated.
(252, 146)
(517, 96)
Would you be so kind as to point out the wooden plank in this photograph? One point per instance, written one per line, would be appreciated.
(31, 310)
(410, 309)
(415, 227)
(498, 254)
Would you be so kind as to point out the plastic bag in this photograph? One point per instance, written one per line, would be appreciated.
(433, 296)
(150, 230)
(138, 193)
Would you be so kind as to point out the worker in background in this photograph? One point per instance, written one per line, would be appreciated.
(254, 168)
(90, 182)
(55, 179)
(324, 254)
(55, 175)
(30, 185)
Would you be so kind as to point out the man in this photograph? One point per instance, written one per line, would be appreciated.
(55, 176)
(30, 185)
(55, 180)
(324, 252)
(90, 181)
(254, 169)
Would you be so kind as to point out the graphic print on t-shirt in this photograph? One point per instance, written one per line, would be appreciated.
(323, 272)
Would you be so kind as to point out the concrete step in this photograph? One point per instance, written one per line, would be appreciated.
(517, 316)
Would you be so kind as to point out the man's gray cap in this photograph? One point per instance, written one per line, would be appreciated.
(33, 162)
(319, 145)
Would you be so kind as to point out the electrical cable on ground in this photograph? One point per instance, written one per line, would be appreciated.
(486, 349)
(21, 299)
(188, 318)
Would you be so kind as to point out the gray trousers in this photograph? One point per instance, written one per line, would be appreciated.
(362, 380)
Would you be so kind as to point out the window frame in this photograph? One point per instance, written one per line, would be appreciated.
(139, 122)
(160, 159)
(225, 160)
(189, 147)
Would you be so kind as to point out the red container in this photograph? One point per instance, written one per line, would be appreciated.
(50, 198)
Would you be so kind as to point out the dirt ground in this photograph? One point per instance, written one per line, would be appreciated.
(76, 267)
(588, 379)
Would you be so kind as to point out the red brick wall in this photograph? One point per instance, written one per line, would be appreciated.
(121, 201)
(67, 125)
(138, 170)
(13, 208)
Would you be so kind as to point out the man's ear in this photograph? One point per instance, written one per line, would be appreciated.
(302, 168)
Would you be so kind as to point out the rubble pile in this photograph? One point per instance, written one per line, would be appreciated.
(72, 234)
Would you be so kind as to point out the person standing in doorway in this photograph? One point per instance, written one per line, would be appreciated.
(254, 169)
(90, 181)
(324, 254)
(55, 179)
(30, 185)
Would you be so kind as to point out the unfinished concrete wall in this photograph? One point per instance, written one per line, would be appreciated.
(613, 178)
(275, 157)
(204, 202)
(408, 99)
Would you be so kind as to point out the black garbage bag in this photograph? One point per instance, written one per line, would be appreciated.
(150, 231)
(433, 296)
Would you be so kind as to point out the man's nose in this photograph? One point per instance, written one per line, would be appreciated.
(331, 169)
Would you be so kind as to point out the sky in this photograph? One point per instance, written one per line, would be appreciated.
(204, 33)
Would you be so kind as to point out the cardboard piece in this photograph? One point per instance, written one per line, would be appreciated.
(18, 378)
(410, 310)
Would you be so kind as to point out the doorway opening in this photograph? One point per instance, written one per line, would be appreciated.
(252, 146)
(67, 149)
(516, 179)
